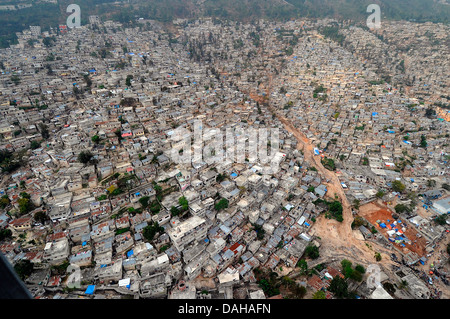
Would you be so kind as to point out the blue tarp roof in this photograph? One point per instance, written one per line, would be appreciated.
(90, 290)
(130, 253)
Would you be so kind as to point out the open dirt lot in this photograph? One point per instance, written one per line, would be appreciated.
(376, 211)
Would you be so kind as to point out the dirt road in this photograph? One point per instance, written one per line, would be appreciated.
(337, 238)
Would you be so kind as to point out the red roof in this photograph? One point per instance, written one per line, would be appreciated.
(315, 282)
(54, 281)
(333, 272)
(234, 246)
(20, 221)
(56, 236)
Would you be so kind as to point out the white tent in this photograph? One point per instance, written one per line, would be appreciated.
(124, 282)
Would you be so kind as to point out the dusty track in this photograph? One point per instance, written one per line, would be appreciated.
(337, 239)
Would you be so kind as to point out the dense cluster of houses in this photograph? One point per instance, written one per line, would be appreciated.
(119, 94)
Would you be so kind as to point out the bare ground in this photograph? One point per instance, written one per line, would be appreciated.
(377, 211)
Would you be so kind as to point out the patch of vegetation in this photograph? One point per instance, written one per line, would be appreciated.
(328, 163)
(121, 231)
(312, 252)
(339, 287)
(24, 268)
(260, 232)
(268, 281)
(152, 230)
(441, 219)
(222, 204)
(334, 209)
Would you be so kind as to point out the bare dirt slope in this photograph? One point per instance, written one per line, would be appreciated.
(337, 238)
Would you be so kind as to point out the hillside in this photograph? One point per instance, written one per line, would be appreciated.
(48, 14)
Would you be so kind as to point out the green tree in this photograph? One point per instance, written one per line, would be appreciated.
(303, 265)
(299, 291)
(319, 294)
(151, 230)
(441, 219)
(128, 80)
(35, 145)
(222, 204)
(356, 275)
(312, 252)
(40, 217)
(328, 163)
(85, 157)
(144, 201)
(380, 194)
(220, 178)
(389, 287)
(423, 141)
(401, 208)
(348, 272)
(44, 131)
(398, 186)
(4, 201)
(184, 203)
(25, 195)
(48, 41)
(5, 234)
(15, 79)
(260, 232)
(377, 256)
(346, 263)
(339, 287)
(403, 284)
(95, 139)
(88, 80)
(174, 211)
(25, 205)
(360, 269)
(268, 287)
(24, 268)
(357, 222)
(336, 210)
